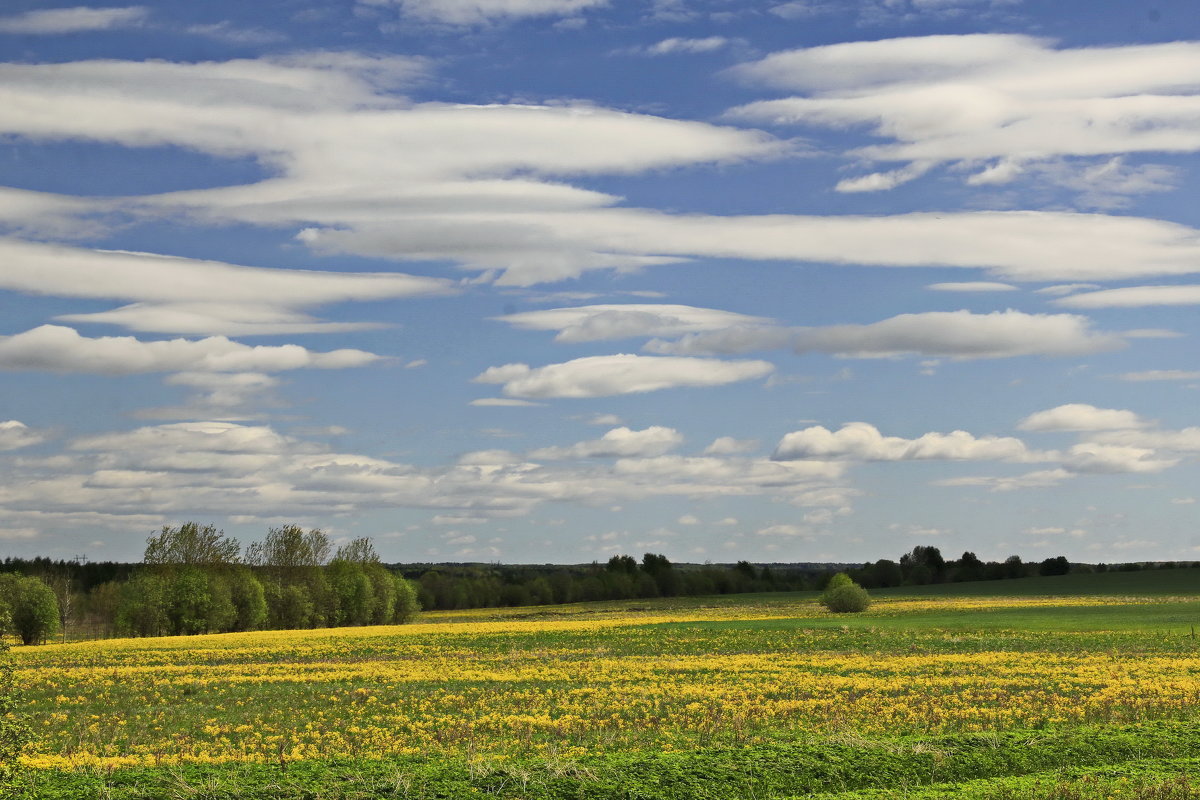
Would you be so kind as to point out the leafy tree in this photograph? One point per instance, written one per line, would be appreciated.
(191, 545)
(968, 567)
(358, 551)
(843, 595)
(352, 593)
(289, 548)
(625, 564)
(32, 607)
(1055, 566)
(249, 600)
(406, 606)
(923, 556)
(143, 606)
(189, 603)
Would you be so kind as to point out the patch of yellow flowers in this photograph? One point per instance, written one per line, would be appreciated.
(522, 684)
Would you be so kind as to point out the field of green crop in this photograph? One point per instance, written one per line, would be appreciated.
(1084, 686)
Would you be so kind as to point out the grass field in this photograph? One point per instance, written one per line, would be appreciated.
(1083, 686)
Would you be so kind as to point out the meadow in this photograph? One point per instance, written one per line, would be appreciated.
(1079, 686)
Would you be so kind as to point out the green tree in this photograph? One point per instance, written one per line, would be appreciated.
(32, 607)
(249, 600)
(289, 549)
(191, 545)
(143, 606)
(189, 603)
(352, 593)
(406, 606)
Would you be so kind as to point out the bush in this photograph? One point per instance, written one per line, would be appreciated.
(844, 596)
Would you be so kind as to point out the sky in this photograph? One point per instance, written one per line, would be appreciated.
(545, 281)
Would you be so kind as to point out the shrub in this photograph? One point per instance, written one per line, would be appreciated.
(844, 596)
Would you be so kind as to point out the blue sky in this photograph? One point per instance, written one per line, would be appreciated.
(549, 280)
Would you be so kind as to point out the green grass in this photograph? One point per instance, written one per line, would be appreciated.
(976, 765)
(1150, 759)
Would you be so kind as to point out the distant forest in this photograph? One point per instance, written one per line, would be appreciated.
(193, 579)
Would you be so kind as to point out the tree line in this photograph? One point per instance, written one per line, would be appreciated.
(194, 579)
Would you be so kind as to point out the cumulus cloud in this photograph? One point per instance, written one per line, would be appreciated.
(993, 101)
(861, 441)
(727, 446)
(1081, 417)
(952, 334)
(15, 435)
(140, 476)
(60, 349)
(618, 443)
(1134, 297)
(50, 21)
(620, 321)
(603, 376)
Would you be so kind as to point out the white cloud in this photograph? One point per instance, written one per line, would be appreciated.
(882, 181)
(1135, 297)
(15, 435)
(226, 31)
(1081, 417)
(501, 402)
(218, 396)
(953, 334)
(480, 12)
(688, 519)
(603, 376)
(961, 335)
(1107, 458)
(677, 44)
(1066, 288)
(73, 20)
(1038, 479)
(861, 441)
(972, 286)
(134, 478)
(60, 349)
(620, 321)
(481, 194)
(728, 446)
(1185, 440)
(604, 419)
(1161, 375)
(618, 443)
(973, 98)
(785, 530)
(189, 296)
